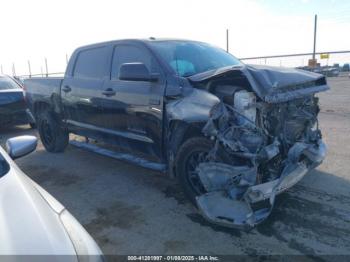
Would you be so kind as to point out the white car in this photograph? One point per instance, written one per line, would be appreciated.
(32, 222)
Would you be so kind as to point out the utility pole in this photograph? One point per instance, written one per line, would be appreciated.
(47, 70)
(13, 69)
(315, 31)
(30, 70)
(227, 46)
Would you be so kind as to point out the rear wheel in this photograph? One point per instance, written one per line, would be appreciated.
(193, 152)
(53, 136)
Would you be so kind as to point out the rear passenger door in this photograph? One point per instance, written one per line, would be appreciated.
(135, 112)
(82, 91)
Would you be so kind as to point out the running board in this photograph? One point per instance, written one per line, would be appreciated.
(119, 156)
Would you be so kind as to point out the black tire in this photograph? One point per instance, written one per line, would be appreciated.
(53, 136)
(185, 163)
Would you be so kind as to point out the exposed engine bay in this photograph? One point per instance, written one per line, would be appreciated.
(271, 136)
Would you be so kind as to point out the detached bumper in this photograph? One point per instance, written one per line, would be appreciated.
(230, 204)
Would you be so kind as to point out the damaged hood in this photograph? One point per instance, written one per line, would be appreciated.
(272, 84)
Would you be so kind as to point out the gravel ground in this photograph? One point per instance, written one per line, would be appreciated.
(131, 210)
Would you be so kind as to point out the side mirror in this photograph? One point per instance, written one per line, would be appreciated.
(20, 146)
(136, 72)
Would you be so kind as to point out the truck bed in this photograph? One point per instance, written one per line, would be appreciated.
(42, 89)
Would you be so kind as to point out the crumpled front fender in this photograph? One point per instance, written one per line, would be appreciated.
(194, 107)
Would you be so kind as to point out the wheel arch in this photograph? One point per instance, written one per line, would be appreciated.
(39, 106)
(180, 131)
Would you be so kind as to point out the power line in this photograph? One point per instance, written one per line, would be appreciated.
(292, 55)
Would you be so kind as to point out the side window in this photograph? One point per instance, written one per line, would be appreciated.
(129, 54)
(92, 63)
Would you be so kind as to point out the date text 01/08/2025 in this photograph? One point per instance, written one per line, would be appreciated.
(173, 258)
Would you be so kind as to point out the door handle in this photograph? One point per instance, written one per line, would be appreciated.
(109, 92)
(66, 89)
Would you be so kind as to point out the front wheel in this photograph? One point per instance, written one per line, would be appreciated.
(54, 137)
(193, 152)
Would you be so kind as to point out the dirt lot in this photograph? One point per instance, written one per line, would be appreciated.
(131, 210)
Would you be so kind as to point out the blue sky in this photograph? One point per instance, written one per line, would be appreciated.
(38, 29)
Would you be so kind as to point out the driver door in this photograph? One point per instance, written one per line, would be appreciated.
(134, 114)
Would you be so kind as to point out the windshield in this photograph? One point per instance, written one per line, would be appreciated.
(7, 83)
(190, 58)
(4, 166)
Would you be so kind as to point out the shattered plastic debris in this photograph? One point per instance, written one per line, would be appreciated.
(223, 207)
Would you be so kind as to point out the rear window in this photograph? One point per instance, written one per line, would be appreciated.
(7, 83)
(92, 63)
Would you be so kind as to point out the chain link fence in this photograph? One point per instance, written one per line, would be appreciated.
(339, 60)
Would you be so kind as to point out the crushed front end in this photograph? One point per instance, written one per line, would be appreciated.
(272, 143)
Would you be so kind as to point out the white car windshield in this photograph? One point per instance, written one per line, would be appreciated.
(4, 166)
(7, 83)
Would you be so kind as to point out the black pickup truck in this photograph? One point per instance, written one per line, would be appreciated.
(234, 135)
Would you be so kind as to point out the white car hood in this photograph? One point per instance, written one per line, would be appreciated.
(28, 224)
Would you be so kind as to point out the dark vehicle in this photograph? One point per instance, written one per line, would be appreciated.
(233, 135)
(330, 71)
(325, 70)
(13, 108)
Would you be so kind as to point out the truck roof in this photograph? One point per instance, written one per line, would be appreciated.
(146, 42)
(137, 40)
